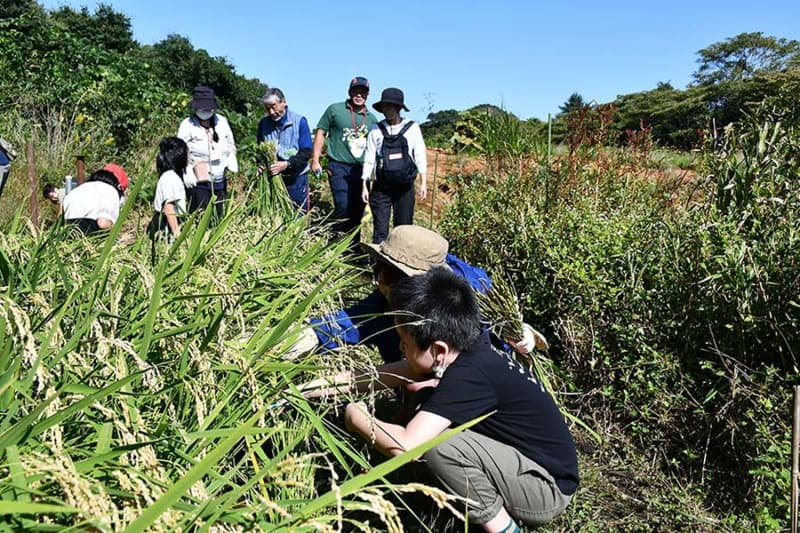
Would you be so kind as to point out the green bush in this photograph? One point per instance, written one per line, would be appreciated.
(678, 325)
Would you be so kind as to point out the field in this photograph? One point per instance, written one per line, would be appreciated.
(654, 241)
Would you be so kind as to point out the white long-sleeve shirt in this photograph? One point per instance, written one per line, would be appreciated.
(202, 148)
(416, 147)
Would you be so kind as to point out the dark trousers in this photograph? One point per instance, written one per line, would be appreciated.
(385, 200)
(348, 209)
(297, 188)
(87, 226)
(199, 197)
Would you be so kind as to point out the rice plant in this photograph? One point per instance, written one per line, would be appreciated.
(136, 387)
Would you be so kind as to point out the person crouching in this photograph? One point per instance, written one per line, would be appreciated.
(170, 199)
(94, 206)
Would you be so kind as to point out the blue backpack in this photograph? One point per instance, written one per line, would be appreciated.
(396, 166)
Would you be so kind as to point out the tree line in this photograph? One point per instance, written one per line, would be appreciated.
(732, 77)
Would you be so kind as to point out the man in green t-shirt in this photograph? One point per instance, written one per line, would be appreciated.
(346, 125)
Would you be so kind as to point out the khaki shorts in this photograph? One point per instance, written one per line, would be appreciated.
(494, 475)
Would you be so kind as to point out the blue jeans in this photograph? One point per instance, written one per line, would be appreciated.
(348, 209)
(298, 191)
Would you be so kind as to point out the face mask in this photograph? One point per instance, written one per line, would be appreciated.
(204, 114)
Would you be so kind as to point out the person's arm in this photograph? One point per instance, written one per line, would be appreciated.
(184, 133)
(369, 161)
(104, 223)
(420, 155)
(316, 153)
(168, 210)
(232, 162)
(393, 439)
(384, 377)
(359, 323)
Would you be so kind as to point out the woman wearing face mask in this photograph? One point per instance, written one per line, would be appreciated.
(212, 152)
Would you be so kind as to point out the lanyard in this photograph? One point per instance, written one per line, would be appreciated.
(356, 127)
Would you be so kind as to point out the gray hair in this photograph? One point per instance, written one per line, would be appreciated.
(271, 94)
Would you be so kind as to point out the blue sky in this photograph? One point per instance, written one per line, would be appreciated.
(523, 55)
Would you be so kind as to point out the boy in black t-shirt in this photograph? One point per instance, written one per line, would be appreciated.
(519, 462)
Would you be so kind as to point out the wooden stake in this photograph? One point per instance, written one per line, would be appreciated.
(34, 187)
(433, 189)
(795, 461)
(81, 167)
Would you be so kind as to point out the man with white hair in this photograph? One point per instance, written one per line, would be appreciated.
(292, 137)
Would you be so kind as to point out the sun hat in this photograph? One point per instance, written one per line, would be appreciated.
(412, 249)
(119, 173)
(359, 81)
(392, 95)
(203, 98)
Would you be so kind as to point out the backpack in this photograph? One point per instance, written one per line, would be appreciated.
(396, 167)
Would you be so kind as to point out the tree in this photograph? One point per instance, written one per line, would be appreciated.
(105, 27)
(744, 56)
(14, 8)
(573, 103)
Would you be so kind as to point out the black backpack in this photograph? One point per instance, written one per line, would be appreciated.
(396, 167)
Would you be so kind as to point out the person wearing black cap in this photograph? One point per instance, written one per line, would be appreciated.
(396, 162)
(346, 125)
(212, 151)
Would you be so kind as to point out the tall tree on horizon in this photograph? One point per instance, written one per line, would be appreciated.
(573, 103)
(745, 55)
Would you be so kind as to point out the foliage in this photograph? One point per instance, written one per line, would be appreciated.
(743, 56)
(175, 61)
(440, 127)
(105, 28)
(574, 103)
(678, 325)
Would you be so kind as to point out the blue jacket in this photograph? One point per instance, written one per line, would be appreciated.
(367, 323)
(292, 137)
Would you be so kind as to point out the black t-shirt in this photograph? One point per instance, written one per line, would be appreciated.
(481, 381)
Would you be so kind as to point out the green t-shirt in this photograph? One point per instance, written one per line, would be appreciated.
(347, 132)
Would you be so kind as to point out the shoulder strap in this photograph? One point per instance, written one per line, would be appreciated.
(383, 129)
(405, 128)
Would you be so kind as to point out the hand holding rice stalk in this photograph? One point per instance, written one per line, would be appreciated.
(266, 153)
(499, 306)
(271, 195)
(501, 310)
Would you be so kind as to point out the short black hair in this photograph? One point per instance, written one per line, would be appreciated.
(47, 190)
(439, 306)
(173, 154)
(107, 177)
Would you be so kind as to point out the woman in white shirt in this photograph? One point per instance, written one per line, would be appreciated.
(212, 152)
(170, 199)
(396, 151)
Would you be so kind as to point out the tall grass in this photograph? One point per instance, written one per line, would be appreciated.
(136, 388)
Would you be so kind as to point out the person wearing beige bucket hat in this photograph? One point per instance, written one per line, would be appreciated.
(408, 250)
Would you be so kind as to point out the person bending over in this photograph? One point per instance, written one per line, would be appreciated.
(516, 465)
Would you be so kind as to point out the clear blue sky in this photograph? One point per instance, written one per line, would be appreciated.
(523, 55)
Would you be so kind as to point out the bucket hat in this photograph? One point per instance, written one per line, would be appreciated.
(412, 249)
(392, 95)
(203, 98)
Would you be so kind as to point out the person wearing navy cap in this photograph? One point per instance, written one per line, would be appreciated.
(346, 125)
